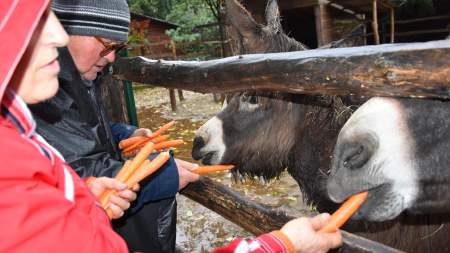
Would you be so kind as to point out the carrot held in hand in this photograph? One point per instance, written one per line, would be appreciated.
(163, 129)
(137, 145)
(105, 201)
(127, 171)
(168, 144)
(160, 138)
(147, 170)
(212, 168)
(130, 141)
(105, 195)
(143, 154)
(347, 209)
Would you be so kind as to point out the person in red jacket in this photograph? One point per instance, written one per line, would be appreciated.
(44, 205)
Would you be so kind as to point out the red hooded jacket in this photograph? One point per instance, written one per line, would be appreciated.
(44, 205)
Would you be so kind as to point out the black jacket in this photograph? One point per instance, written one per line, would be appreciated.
(75, 124)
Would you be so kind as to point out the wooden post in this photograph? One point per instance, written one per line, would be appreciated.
(173, 100)
(375, 22)
(391, 12)
(180, 95)
(323, 26)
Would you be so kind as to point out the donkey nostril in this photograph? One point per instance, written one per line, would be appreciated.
(358, 153)
(198, 144)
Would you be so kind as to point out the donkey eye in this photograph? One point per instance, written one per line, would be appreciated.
(249, 99)
(253, 99)
(249, 103)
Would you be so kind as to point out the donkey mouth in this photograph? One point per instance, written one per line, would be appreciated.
(206, 159)
(380, 204)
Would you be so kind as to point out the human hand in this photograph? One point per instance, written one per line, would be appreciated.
(142, 132)
(118, 202)
(185, 174)
(306, 238)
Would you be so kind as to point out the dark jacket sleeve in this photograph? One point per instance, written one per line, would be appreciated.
(121, 131)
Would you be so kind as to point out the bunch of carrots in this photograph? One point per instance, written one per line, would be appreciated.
(137, 169)
(134, 171)
(131, 146)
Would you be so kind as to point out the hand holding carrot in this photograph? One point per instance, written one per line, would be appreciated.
(142, 132)
(117, 203)
(185, 173)
(305, 236)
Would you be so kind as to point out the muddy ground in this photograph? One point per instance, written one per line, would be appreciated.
(198, 228)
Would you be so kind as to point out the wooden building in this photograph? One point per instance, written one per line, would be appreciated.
(318, 22)
(152, 32)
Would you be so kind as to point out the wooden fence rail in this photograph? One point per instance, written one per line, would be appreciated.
(405, 70)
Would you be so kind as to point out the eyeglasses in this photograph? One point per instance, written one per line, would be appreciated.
(110, 46)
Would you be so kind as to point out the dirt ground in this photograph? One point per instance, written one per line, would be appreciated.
(198, 228)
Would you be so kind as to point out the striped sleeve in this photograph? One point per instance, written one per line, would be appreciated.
(266, 243)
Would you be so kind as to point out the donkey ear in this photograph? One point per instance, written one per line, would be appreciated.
(273, 15)
(240, 18)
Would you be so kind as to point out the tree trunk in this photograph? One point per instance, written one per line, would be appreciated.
(407, 70)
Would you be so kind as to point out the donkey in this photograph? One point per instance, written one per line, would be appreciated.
(264, 133)
(398, 150)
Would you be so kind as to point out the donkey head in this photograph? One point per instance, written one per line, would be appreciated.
(398, 150)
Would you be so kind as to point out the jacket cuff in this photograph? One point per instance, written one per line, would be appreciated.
(272, 243)
(286, 241)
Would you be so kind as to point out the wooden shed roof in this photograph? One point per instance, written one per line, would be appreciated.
(162, 22)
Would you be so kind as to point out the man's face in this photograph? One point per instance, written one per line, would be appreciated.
(85, 51)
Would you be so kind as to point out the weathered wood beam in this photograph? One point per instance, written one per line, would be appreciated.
(259, 219)
(407, 70)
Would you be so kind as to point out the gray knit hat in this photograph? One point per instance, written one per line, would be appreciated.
(108, 19)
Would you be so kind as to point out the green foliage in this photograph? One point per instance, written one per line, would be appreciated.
(153, 8)
(187, 14)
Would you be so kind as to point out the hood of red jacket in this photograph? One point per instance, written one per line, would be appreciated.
(18, 20)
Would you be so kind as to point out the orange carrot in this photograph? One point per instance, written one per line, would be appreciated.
(163, 129)
(168, 144)
(137, 144)
(108, 193)
(212, 168)
(130, 141)
(105, 195)
(130, 153)
(347, 209)
(160, 138)
(132, 150)
(143, 154)
(147, 170)
(127, 171)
